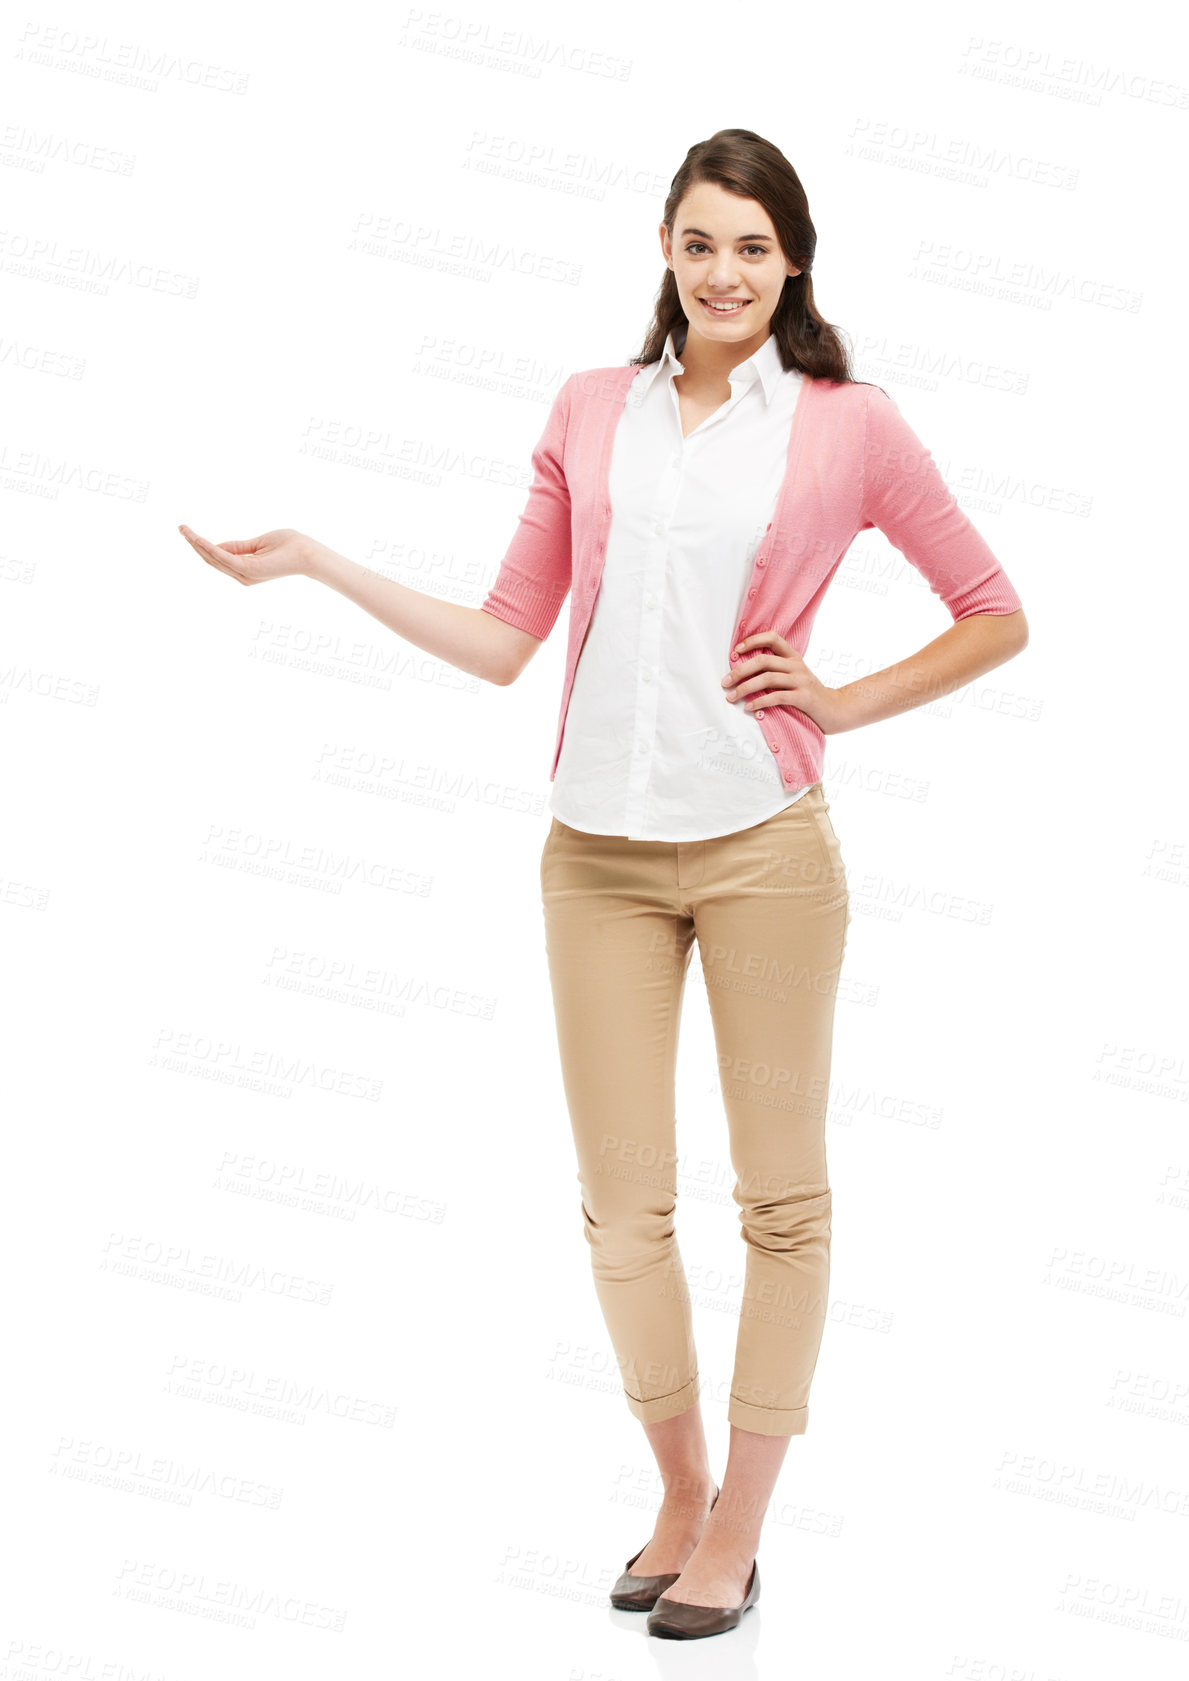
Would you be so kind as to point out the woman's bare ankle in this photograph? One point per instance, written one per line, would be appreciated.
(689, 1495)
(679, 1524)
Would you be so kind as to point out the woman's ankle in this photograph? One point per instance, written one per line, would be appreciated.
(732, 1530)
(689, 1494)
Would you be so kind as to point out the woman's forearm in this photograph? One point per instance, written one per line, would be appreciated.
(965, 651)
(466, 637)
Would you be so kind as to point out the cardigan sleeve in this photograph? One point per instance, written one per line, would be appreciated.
(905, 495)
(534, 576)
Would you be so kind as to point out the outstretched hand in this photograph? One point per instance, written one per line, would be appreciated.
(254, 560)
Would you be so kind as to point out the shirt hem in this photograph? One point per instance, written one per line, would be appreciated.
(670, 840)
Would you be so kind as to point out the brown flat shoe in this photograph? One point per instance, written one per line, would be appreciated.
(677, 1621)
(640, 1593)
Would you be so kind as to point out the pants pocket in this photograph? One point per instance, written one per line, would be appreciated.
(832, 860)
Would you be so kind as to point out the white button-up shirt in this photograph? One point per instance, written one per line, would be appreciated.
(653, 750)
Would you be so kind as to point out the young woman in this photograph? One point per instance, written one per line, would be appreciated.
(695, 504)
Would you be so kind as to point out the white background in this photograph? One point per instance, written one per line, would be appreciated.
(305, 1374)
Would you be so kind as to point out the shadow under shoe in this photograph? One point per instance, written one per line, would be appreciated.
(640, 1593)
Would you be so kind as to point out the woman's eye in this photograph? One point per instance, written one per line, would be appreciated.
(698, 245)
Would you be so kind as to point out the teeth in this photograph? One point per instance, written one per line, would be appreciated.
(725, 309)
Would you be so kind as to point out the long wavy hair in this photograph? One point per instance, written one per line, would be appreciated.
(744, 163)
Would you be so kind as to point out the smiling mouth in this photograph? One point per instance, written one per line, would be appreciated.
(724, 306)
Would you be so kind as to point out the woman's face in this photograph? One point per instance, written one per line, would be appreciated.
(724, 248)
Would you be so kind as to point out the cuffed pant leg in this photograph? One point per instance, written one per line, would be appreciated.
(771, 918)
(618, 953)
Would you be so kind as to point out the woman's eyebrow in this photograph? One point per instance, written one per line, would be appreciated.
(742, 236)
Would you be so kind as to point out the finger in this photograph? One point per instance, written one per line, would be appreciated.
(751, 663)
(790, 700)
(768, 638)
(763, 687)
(757, 679)
(229, 549)
(219, 567)
(210, 551)
(785, 666)
(213, 557)
(755, 673)
(775, 697)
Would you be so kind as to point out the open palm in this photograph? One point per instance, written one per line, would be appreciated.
(254, 560)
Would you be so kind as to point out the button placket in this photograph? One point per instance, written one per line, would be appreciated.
(649, 630)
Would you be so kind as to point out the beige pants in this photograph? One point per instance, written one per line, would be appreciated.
(770, 909)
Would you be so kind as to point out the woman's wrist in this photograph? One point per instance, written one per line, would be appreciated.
(321, 563)
(845, 710)
(884, 694)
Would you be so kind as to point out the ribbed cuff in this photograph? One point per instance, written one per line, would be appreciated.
(993, 595)
(526, 606)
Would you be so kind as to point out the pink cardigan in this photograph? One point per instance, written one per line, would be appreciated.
(853, 463)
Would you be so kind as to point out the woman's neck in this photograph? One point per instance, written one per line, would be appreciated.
(706, 365)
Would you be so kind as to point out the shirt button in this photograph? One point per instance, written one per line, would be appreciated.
(734, 659)
(761, 560)
(758, 713)
(647, 674)
(659, 528)
(788, 776)
(676, 461)
(641, 747)
(751, 592)
(775, 746)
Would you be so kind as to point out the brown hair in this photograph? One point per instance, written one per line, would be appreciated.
(746, 164)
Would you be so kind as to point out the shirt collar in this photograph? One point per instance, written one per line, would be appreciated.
(764, 365)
